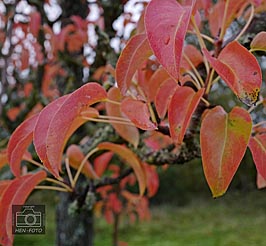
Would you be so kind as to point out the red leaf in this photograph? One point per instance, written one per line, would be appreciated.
(3, 158)
(101, 162)
(259, 42)
(240, 70)
(15, 194)
(217, 13)
(3, 185)
(35, 23)
(164, 95)
(193, 54)
(257, 145)
(159, 76)
(166, 25)
(76, 156)
(67, 119)
(181, 108)
(133, 55)
(129, 133)
(138, 113)
(261, 182)
(19, 142)
(129, 157)
(223, 139)
(41, 131)
(152, 180)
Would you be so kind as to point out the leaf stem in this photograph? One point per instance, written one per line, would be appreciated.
(108, 121)
(260, 124)
(194, 79)
(205, 101)
(69, 174)
(222, 33)
(201, 43)
(112, 101)
(206, 37)
(82, 165)
(247, 23)
(254, 106)
(35, 163)
(209, 81)
(59, 183)
(194, 69)
(45, 187)
(113, 118)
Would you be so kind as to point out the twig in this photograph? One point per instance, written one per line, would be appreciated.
(110, 181)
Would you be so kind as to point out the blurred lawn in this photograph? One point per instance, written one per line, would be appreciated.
(236, 219)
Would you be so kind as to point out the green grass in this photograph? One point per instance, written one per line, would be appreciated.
(237, 219)
(234, 220)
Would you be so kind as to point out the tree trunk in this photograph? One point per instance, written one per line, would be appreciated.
(76, 229)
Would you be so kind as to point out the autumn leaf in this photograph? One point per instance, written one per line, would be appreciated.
(127, 132)
(19, 142)
(131, 159)
(152, 179)
(15, 193)
(41, 131)
(261, 182)
(181, 108)
(218, 11)
(101, 163)
(223, 140)
(3, 157)
(240, 70)
(259, 42)
(138, 112)
(76, 157)
(166, 25)
(153, 84)
(68, 118)
(164, 95)
(257, 146)
(133, 55)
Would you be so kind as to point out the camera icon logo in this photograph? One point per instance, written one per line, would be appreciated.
(28, 219)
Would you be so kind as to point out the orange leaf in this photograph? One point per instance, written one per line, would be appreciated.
(101, 162)
(19, 142)
(181, 108)
(261, 182)
(3, 157)
(223, 139)
(76, 156)
(164, 95)
(194, 55)
(15, 193)
(217, 13)
(159, 76)
(166, 26)
(152, 179)
(41, 131)
(68, 118)
(259, 42)
(257, 146)
(3, 185)
(35, 23)
(240, 70)
(133, 55)
(129, 133)
(137, 111)
(129, 157)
